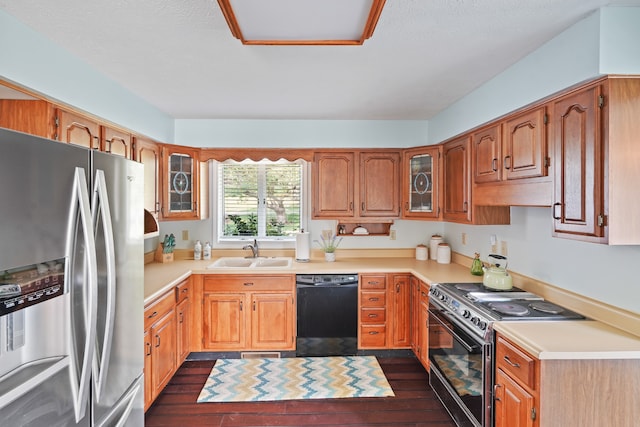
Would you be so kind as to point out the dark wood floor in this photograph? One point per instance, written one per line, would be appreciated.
(414, 404)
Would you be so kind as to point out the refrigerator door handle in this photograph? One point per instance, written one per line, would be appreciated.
(102, 212)
(81, 362)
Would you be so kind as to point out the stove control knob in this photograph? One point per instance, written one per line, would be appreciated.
(466, 314)
(483, 325)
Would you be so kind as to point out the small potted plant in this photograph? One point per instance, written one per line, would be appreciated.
(329, 243)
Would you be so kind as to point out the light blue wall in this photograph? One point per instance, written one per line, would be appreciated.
(620, 41)
(301, 133)
(33, 61)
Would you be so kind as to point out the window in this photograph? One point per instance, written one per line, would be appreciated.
(260, 199)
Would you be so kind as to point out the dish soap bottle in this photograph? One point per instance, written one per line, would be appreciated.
(197, 251)
(476, 266)
(206, 254)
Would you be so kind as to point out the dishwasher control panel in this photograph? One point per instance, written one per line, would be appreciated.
(326, 279)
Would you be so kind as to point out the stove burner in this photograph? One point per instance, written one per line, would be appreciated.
(508, 308)
(546, 307)
(467, 287)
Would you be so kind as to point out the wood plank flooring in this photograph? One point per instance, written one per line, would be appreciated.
(414, 404)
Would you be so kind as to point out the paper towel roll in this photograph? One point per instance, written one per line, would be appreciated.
(303, 244)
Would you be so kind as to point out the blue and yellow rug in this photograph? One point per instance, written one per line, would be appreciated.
(244, 380)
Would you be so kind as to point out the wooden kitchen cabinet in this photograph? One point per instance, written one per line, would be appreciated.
(517, 385)
(424, 329)
(456, 157)
(356, 186)
(32, 116)
(76, 129)
(117, 142)
(149, 153)
(160, 345)
(372, 315)
(421, 183)
(401, 300)
(272, 321)
(457, 205)
(384, 317)
(180, 183)
(183, 319)
(595, 134)
(245, 313)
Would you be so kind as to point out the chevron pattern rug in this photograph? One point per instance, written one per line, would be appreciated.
(243, 380)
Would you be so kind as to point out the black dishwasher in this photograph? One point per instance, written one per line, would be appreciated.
(327, 314)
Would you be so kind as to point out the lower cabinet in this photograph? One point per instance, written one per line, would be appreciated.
(160, 346)
(424, 332)
(516, 387)
(384, 318)
(167, 329)
(244, 313)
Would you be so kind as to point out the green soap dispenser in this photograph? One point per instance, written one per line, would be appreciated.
(476, 266)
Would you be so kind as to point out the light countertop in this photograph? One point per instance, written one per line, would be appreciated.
(582, 339)
(571, 339)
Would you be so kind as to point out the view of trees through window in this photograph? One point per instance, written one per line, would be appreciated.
(260, 199)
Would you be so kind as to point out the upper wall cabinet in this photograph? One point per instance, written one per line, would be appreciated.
(181, 183)
(117, 142)
(457, 180)
(511, 162)
(149, 153)
(420, 183)
(34, 117)
(457, 205)
(597, 162)
(76, 129)
(368, 189)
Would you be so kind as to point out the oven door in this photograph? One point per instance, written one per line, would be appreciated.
(460, 371)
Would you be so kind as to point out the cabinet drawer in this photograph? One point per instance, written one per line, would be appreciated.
(183, 291)
(373, 315)
(372, 281)
(516, 363)
(373, 335)
(235, 283)
(373, 299)
(159, 308)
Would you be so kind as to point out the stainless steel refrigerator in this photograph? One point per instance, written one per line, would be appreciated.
(71, 285)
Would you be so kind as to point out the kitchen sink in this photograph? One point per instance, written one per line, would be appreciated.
(251, 263)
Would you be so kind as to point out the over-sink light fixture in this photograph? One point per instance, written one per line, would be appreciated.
(302, 22)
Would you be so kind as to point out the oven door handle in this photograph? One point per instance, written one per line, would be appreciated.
(469, 347)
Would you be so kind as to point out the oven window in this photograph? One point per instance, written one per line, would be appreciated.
(459, 359)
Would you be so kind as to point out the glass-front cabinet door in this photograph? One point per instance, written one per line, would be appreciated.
(421, 178)
(180, 180)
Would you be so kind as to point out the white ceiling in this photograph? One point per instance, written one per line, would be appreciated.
(181, 57)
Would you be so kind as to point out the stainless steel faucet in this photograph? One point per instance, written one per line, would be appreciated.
(255, 250)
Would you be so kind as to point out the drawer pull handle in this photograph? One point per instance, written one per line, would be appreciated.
(373, 315)
(152, 315)
(185, 290)
(157, 341)
(374, 299)
(495, 392)
(374, 282)
(373, 332)
(248, 283)
(515, 365)
(148, 345)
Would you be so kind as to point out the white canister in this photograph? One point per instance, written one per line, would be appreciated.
(436, 239)
(444, 253)
(421, 253)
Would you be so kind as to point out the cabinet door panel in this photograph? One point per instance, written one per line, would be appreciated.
(148, 153)
(526, 146)
(116, 142)
(420, 183)
(78, 130)
(579, 164)
(457, 189)
(334, 183)
(379, 184)
(513, 404)
(224, 323)
(487, 156)
(272, 321)
(163, 340)
(183, 314)
(401, 311)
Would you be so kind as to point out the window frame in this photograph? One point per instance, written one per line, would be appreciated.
(274, 242)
